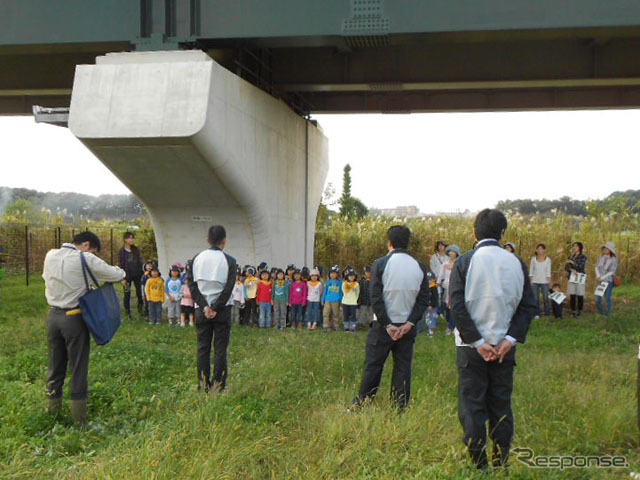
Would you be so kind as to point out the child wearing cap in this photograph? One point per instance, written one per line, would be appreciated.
(238, 297)
(314, 296)
(251, 290)
(365, 311)
(264, 298)
(280, 299)
(350, 295)
(453, 251)
(154, 291)
(173, 289)
(331, 298)
(297, 299)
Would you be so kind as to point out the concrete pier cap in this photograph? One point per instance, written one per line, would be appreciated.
(200, 146)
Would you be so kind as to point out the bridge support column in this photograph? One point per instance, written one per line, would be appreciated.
(200, 146)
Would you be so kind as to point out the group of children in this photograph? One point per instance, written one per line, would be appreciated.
(173, 291)
(299, 298)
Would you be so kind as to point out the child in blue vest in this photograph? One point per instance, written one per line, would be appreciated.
(331, 299)
(173, 289)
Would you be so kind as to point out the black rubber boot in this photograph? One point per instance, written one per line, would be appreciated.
(79, 412)
(54, 406)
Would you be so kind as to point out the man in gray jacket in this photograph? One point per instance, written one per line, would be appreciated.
(492, 305)
(211, 280)
(399, 296)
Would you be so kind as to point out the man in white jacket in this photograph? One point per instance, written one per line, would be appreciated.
(67, 334)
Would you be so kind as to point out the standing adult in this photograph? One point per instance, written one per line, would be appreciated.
(453, 252)
(211, 281)
(437, 261)
(540, 277)
(130, 260)
(605, 272)
(577, 263)
(67, 334)
(400, 296)
(492, 304)
(365, 310)
(439, 258)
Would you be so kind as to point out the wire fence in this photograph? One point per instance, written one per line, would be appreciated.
(25, 246)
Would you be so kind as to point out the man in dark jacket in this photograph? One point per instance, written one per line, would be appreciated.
(130, 260)
(399, 295)
(492, 305)
(211, 281)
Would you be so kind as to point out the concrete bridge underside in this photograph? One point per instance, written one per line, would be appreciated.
(199, 146)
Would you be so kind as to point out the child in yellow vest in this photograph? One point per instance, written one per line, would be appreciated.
(154, 292)
(350, 294)
(251, 288)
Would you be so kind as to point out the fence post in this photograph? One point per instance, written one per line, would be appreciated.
(626, 272)
(26, 253)
(111, 244)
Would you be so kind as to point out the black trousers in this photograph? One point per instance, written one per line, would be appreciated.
(379, 345)
(249, 312)
(136, 283)
(217, 330)
(68, 339)
(557, 308)
(576, 302)
(484, 393)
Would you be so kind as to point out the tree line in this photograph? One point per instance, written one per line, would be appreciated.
(629, 200)
(31, 206)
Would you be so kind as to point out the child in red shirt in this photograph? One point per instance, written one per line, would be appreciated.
(263, 299)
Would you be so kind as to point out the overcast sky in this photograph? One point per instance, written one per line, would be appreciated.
(440, 162)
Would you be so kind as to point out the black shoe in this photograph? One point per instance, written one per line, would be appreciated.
(479, 458)
(500, 457)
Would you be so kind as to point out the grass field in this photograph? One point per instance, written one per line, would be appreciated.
(284, 415)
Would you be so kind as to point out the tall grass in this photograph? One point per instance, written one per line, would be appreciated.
(284, 415)
(359, 242)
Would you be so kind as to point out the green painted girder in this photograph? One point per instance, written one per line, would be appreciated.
(38, 22)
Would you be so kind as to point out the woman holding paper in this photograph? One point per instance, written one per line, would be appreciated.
(605, 271)
(575, 266)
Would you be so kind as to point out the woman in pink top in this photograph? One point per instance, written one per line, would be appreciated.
(297, 299)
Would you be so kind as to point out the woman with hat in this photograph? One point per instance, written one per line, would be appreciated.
(453, 252)
(605, 272)
(510, 247)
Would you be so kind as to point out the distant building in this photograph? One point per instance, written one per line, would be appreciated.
(408, 211)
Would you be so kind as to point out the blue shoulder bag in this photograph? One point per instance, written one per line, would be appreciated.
(100, 307)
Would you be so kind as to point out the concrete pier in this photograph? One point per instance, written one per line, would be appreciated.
(200, 146)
